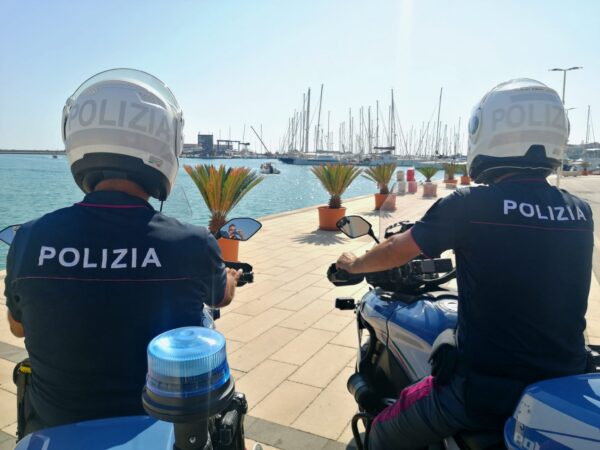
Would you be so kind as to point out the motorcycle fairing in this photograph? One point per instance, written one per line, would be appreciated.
(557, 413)
(123, 433)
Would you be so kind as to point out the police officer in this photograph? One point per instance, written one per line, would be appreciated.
(89, 286)
(523, 258)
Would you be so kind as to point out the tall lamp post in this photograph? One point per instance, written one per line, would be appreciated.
(564, 71)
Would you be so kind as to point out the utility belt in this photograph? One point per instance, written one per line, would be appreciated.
(22, 379)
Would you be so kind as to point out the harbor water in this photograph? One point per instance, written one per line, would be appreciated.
(36, 184)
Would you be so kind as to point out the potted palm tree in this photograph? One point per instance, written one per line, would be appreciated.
(465, 180)
(449, 172)
(585, 165)
(382, 175)
(335, 178)
(222, 189)
(429, 188)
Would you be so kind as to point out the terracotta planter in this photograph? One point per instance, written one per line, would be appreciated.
(328, 217)
(385, 201)
(229, 249)
(585, 172)
(429, 190)
(412, 187)
(465, 180)
(451, 184)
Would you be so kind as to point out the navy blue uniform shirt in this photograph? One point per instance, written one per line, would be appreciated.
(92, 284)
(524, 260)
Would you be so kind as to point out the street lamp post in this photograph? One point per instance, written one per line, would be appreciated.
(564, 71)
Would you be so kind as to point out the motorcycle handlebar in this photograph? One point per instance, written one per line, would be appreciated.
(247, 273)
(342, 277)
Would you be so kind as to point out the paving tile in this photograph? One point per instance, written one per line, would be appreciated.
(266, 301)
(256, 326)
(230, 321)
(303, 347)
(285, 403)
(233, 346)
(319, 370)
(250, 444)
(6, 371)
(8, 411)
(261, 380)
(302, 283)
(308, 315)
(301, 299)
(347, 337)
(317, 418)
(11, 429)
(334, 321)
(9, 387)
(259, 349)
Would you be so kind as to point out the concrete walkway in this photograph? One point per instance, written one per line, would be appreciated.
(290, 351)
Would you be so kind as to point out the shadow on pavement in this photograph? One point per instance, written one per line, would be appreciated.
(319, 237)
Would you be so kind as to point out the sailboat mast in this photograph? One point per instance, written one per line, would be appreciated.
(370, 140)
(393, 125)
(437, 133)
(318, 120)
(328, 136)
(587, 130)
(377, 126)
(307, 120)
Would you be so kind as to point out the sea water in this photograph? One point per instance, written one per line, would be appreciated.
(33, 185)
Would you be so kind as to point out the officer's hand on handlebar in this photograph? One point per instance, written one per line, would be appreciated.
(346, 262)
(235, 274)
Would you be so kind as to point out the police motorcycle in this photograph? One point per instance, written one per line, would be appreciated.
(406, 315)
(189, 395)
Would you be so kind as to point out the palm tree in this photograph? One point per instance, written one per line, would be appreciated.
(336, 178)
(222, 189)
(428, 172)
(381, 174)
(450, 169)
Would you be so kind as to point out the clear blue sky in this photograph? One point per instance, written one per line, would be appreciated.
(232, 63)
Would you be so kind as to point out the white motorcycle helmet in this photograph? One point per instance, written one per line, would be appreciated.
(124, 124)
(518, 125)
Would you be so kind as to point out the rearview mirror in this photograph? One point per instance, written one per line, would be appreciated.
(8, 234)
(240, 229)
(354, 226)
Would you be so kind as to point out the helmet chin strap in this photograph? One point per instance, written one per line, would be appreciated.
(161, 205)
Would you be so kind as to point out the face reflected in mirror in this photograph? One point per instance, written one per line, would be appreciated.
(8, 234)
(240, 229)
(354, 226)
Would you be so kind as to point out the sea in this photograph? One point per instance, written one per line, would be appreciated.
(33, 185)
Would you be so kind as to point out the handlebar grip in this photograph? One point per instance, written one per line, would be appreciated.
(341, 277)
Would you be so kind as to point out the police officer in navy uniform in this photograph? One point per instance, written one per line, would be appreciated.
(523, 257)
(89, 286)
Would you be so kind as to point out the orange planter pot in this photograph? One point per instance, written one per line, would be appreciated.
(465, 180)
(429, 190)
(328, 217)
(385, 201)
(229, 249)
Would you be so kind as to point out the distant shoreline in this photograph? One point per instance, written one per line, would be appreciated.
(31, 152)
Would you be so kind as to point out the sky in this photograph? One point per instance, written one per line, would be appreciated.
(232, 63)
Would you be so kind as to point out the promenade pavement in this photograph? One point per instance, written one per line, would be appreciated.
(290, 350)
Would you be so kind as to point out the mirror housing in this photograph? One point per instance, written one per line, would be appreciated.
(354, 226)
(239, 229)
(8, 234)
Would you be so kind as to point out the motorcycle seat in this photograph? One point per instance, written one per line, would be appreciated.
(480, 440)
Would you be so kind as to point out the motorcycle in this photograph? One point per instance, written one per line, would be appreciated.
(398, 320)
(189, 394)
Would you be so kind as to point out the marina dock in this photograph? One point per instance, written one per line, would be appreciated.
(290, 350)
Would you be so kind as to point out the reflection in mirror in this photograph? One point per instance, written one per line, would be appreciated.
(354, 226)
(239, 229)
(8, 234)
